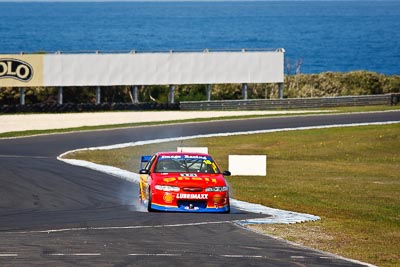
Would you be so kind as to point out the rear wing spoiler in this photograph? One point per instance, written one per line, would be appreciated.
(143, 161)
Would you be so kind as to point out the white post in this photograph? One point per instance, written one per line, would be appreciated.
(22, 96)
(244, 91)
(171, 95)
(135, 94)
(208, 92)
(60, 95)
(98, 95)
(280, 88)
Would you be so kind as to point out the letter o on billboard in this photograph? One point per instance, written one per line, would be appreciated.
(3, 68)
(15, 69)
(23, 72)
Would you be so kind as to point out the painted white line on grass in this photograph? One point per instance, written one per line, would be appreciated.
(278, 216)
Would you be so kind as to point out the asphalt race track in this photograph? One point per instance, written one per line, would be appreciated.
(55, 214)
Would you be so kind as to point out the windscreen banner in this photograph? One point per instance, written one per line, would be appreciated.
(141, 68)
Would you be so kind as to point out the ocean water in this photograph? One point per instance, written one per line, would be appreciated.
(321, 35)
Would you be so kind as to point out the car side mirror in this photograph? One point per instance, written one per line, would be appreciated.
(226, 173)
(144, 171)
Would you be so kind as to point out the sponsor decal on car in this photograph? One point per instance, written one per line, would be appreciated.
(173, 179)
(189, 174)
(218, 198)
(194, 157)
(184, 157)
(191, 196)
(169, 180)
(170, 157)
(168, 197)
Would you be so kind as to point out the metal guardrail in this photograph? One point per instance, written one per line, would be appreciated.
(292, 103)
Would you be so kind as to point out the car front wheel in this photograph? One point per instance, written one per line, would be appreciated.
(149, 202)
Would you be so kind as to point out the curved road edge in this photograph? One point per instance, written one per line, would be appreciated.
(277, 215)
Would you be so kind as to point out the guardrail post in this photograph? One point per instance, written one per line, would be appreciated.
(98, 95)
(60, 95)
(22, 96)
(394, 99)
(135, 92)
(208, 92)
(171, 95)
(244, 91)
(280, 89)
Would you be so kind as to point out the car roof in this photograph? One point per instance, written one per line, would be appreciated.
(181, 153)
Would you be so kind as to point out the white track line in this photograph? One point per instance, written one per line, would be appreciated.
(49, 231)
(74, 254)
(156, 255)
(243, 256)
(8, 255)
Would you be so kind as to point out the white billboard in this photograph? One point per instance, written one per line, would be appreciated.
(248, 165)
(146, 68)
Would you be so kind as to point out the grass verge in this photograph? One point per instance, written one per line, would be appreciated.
(347, 176)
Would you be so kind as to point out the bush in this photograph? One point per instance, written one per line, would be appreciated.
(340, 84)
(295, 86)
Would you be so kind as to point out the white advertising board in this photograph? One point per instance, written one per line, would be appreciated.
(170, 68)
(163, 68)
(248, 165)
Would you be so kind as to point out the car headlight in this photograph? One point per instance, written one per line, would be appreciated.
(167, 188)
(217, 189)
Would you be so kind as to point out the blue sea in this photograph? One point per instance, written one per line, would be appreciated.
(320, 35)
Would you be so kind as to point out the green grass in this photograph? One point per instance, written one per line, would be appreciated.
(350, 177)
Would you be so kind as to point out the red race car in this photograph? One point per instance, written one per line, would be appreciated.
(185, 182)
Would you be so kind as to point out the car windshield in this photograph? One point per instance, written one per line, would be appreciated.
(186, 163)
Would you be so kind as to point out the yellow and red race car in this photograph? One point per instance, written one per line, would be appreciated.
(184, 182)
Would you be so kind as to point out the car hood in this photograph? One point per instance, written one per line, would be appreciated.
(189, 179)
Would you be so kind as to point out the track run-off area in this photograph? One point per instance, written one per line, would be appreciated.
(56, 214)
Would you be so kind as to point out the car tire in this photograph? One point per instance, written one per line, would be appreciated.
(228, 210)
(149, 202)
